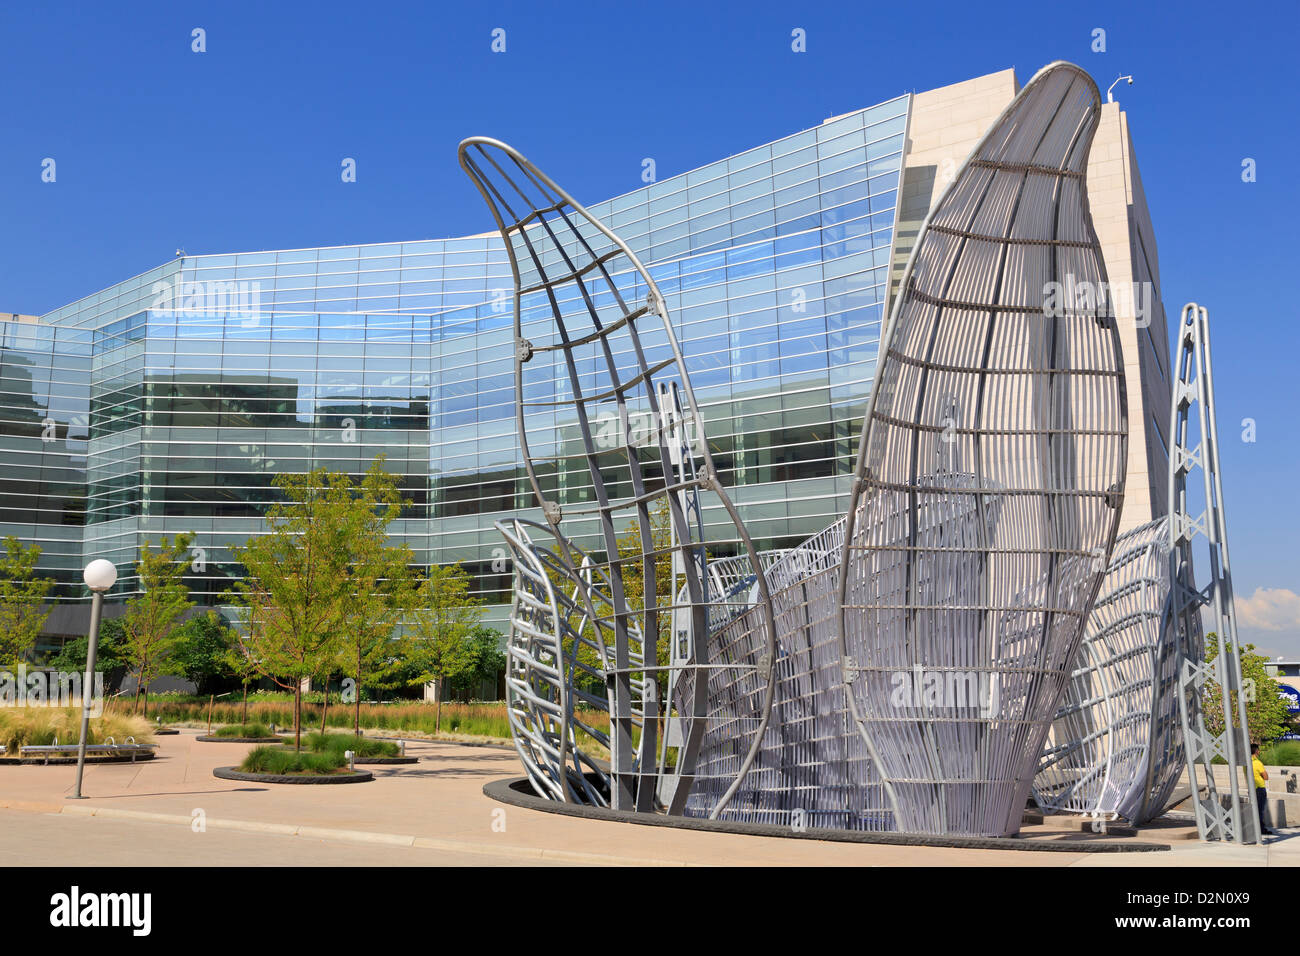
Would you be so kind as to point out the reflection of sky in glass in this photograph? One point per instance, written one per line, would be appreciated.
(773, 264)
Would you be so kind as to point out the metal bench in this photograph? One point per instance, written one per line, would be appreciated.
(111, 747)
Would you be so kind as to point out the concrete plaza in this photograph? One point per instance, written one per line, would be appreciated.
(173, 811)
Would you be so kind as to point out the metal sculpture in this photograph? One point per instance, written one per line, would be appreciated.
(1236, 818)
(601, 346)
(1115, 749)
(990, 475)
(984, 507)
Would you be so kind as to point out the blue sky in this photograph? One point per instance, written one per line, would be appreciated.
(238, 148)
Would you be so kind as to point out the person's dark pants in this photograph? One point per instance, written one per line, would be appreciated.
(1261, 798)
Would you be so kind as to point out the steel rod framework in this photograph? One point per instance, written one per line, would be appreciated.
(1194, 443)
(586, 385)
(981, 501)
(902, 669)
(1116, 749)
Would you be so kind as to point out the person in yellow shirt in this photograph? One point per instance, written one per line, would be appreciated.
(1261, 788)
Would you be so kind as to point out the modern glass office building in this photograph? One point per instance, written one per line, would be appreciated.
(176, 397)
(169, 402)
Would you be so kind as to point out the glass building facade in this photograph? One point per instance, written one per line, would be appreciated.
(169, 402)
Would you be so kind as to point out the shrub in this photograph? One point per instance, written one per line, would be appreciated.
(483, 719)
(272, 759)
(341, 743)
(243, 730)
(1281, 753)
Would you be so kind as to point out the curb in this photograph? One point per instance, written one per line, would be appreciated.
(34, 806)
(356, 776)
(62, 761)
(517, 792)
(242, 740)
(350, 836)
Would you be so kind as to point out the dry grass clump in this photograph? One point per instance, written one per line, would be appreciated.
(24, 726)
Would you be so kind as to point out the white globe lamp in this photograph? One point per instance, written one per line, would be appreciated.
(100, 575)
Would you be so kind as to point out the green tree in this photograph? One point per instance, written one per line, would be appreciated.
(381, 587)
(484, 660)
(23, 609)
(152, 617)
(241, 649)
(299, 576)
(1266, 714)
(201, 650)
(630, 551)
(444, 615)
(110, 653)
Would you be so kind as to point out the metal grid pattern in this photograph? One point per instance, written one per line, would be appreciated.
(990, 475)
(610, 337)
(1115, 748)
(984, 509)
(810, 771)
(558, 655)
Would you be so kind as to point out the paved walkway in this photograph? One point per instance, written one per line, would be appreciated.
(172, 811)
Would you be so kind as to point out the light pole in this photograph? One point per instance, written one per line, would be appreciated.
(100, 575)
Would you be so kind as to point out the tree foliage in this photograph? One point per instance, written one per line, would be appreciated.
(151, 619)
(110, 651)
(380, 588)
(201, 649)
(23, 595)
(310, 581)
(443, 618)
(1267, 717)
(481, 660)
(630, 549)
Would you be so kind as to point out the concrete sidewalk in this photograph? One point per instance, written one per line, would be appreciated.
(433, 812)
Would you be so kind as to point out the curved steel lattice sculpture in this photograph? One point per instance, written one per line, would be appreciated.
(990, 474)
(1115, 748)
(985, 504)
(592, 393)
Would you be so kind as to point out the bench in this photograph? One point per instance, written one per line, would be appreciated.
(113, 747)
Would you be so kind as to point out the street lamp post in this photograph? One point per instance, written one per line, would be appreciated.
(99, 576)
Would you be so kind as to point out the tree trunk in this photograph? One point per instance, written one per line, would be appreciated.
(245, 702)
(437, 719)
(297, 715)
(326, 706)
(356, 705)
(146, 702)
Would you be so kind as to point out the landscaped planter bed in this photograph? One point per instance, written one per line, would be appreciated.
(230, 773)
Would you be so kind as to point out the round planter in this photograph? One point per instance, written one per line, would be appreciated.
(380, 760)
(242, 740)
(62, 760)
(230, 773)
